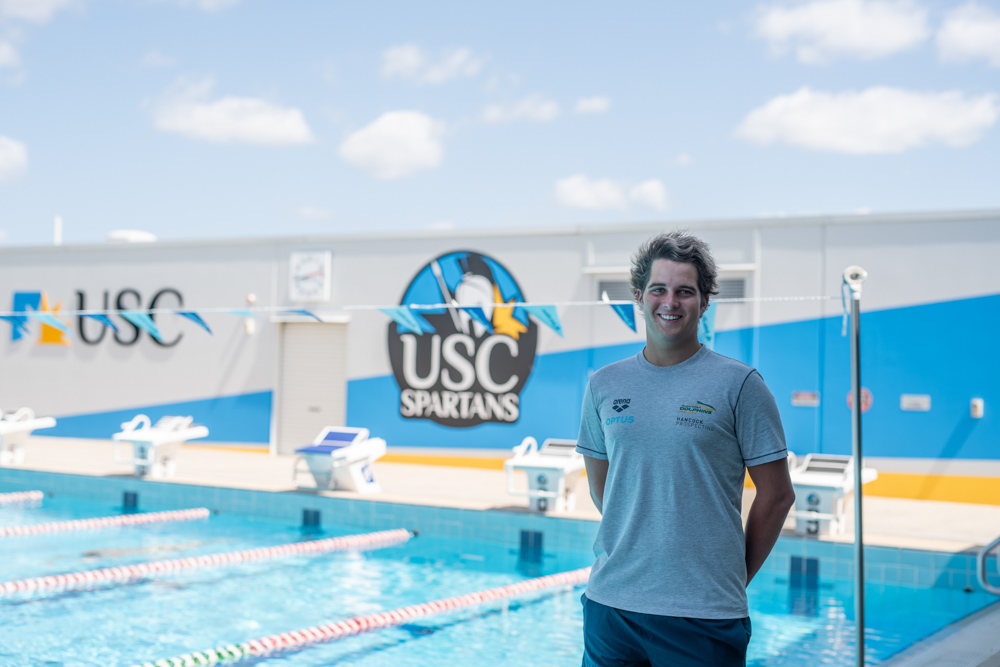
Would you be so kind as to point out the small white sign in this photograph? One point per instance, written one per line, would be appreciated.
(309, 274)
(805, 399)
(915, 402)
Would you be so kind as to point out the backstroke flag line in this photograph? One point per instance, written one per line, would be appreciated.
(547, 315)
(706, 327)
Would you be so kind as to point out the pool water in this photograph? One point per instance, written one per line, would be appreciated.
(794, 623)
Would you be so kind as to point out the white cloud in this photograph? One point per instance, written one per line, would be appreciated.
(683, 159)
(314, 213)
(9, 57)
(156, 59)
(396, 144)
(593, 105)
(823, 30)
(534, 108)
(13, 159)
(875, 120)
(208, 5)
(579, 191)
(229, 119)
(405, 61)
(650, 193)
(409, 62)
(36, 11)
(970, 32)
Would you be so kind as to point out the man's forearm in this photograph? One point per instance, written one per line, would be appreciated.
(598, 502)
(597, 476)
(767, 516)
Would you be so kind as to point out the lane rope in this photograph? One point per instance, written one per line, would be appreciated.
(359, 624)
(125, 573)
(20, 497)
(106, 522)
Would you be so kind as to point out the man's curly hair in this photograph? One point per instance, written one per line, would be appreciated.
(679, 247)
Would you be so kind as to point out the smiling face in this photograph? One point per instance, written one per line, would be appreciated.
(671, 306)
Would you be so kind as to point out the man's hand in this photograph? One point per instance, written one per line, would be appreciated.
(775, 496)
(597, 475)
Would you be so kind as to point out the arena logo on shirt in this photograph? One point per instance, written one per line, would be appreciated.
(463, 368)
(697, 408)
(620, 404)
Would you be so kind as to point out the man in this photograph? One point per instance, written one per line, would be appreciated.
(667, 436)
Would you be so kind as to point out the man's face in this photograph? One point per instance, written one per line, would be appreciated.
(671, 303)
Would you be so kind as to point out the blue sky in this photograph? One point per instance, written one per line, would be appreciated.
(231, 118)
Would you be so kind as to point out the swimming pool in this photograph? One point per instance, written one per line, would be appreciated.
(801, 603)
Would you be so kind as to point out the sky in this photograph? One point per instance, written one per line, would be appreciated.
(194, 119)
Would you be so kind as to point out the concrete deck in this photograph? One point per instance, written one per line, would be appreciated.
(915, 524)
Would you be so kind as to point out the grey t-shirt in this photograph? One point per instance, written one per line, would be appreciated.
(677, 440)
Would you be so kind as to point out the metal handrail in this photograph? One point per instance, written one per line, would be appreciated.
(981, 566)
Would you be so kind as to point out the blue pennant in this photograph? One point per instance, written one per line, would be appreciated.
(194, 317)
(303, 311)
(706, 327)
(476, 313)
(626, 311)
(19, 322)
(408, 320)
(143, 321)
(547, 315)
(102, 318)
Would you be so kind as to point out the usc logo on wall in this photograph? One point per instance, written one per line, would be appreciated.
(463, 369)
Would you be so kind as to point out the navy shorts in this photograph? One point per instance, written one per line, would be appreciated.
(614, 637)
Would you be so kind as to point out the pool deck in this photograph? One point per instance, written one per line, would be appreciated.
(914, 524)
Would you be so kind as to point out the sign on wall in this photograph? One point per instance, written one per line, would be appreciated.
(309, 276)
(465, 364)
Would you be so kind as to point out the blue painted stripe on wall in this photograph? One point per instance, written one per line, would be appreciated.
(240, 418)
(944, 349)
(550, 405)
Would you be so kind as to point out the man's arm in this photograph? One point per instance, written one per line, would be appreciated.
(597, 475)
(775, 496)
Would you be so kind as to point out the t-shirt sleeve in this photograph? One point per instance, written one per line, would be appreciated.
(590, 441)
(758, 424)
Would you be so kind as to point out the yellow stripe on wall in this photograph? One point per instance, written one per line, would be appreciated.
(951, 488)
(457, 461)
(946, 488)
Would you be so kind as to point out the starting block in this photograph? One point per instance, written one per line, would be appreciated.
(821, 483)
(553, 472)
(15, 427)
(155, 448)
(341, 458)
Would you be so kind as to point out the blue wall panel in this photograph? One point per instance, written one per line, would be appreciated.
(944, 349)
(240, 418)
(550, 405)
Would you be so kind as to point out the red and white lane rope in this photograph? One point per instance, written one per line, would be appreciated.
(125, 573)
(360, 624)
(20, 497)
(106, 521)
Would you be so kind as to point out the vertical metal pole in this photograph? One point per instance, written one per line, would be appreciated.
(854, 276)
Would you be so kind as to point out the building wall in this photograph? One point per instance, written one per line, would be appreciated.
(931, 305)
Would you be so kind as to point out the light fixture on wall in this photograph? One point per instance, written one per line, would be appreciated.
(249, 324)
